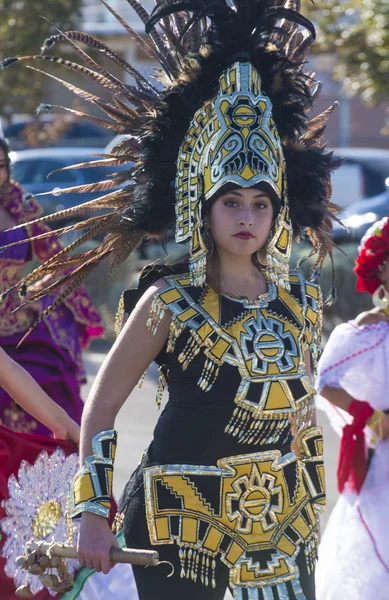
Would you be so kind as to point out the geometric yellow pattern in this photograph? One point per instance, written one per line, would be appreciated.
(265, 340)
(261, 509)
(91, 487)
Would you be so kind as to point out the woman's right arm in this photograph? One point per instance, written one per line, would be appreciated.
(339, 397)
(133, 351)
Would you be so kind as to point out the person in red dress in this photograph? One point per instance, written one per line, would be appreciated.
(52, 352)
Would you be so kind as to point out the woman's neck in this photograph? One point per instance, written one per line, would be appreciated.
(237, 275)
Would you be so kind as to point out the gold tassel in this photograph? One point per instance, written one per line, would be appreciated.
(157, 313)
(161, 386)
(119, 317)
(141, 380)
(192, 348)
(311, 552)
(197, 562)
(176, 328)
(118, 522)
(256, 428)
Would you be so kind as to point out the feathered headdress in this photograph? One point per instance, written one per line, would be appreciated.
(233, 107)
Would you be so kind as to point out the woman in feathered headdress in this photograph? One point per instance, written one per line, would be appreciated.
(230, 489)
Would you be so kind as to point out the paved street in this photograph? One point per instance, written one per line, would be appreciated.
(139, 414)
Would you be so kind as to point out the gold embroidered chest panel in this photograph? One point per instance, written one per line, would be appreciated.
(264, 340)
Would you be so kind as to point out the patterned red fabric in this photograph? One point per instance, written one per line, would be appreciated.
(15, 447)
(78, 302)
(352, 465)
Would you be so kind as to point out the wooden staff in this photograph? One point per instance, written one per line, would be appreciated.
(118, 555)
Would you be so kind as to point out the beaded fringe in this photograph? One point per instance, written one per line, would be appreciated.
(304, 416)
(276, 271)
(211, 366)
(198, 263)
(160, 387)
(311, 552)
(192, 348)
(141, 380)
(157, 313)
(119, 317)
(197, 563)
(176, 328)
(252, 428)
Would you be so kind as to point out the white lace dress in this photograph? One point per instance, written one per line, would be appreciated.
(354, 552)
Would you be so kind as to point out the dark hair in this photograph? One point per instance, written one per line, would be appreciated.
(5, 148)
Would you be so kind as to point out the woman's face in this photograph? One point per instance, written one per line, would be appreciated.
(3, 167)
(240, 221)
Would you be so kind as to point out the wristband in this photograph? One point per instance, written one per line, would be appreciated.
(375, 423)
(91, 487)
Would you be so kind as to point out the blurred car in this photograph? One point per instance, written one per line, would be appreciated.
(359, 216)
(32, 169)
(362, 175)
(76, 132)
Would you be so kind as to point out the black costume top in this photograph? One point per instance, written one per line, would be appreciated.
(223, 477)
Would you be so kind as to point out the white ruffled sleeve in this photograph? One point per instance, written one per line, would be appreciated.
(355, 358)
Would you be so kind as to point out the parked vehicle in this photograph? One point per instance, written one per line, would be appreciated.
(359, 216)
(33, 168)
(76, 132)
(361, 176)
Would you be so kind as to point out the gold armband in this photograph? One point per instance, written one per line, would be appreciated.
(91, 487)
(375, 423)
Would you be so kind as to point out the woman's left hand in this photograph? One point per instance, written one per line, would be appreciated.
(70, 432)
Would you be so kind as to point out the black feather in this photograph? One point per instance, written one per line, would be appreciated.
(7, 62)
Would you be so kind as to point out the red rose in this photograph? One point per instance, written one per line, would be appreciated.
(385, 235)
(376, 244)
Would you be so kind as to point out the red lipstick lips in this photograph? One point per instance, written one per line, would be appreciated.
(244, 235)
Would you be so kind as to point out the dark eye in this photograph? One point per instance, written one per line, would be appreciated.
(230, 202)
(261, 204)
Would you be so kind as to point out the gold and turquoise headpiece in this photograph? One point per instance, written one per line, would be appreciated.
(232, 138)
